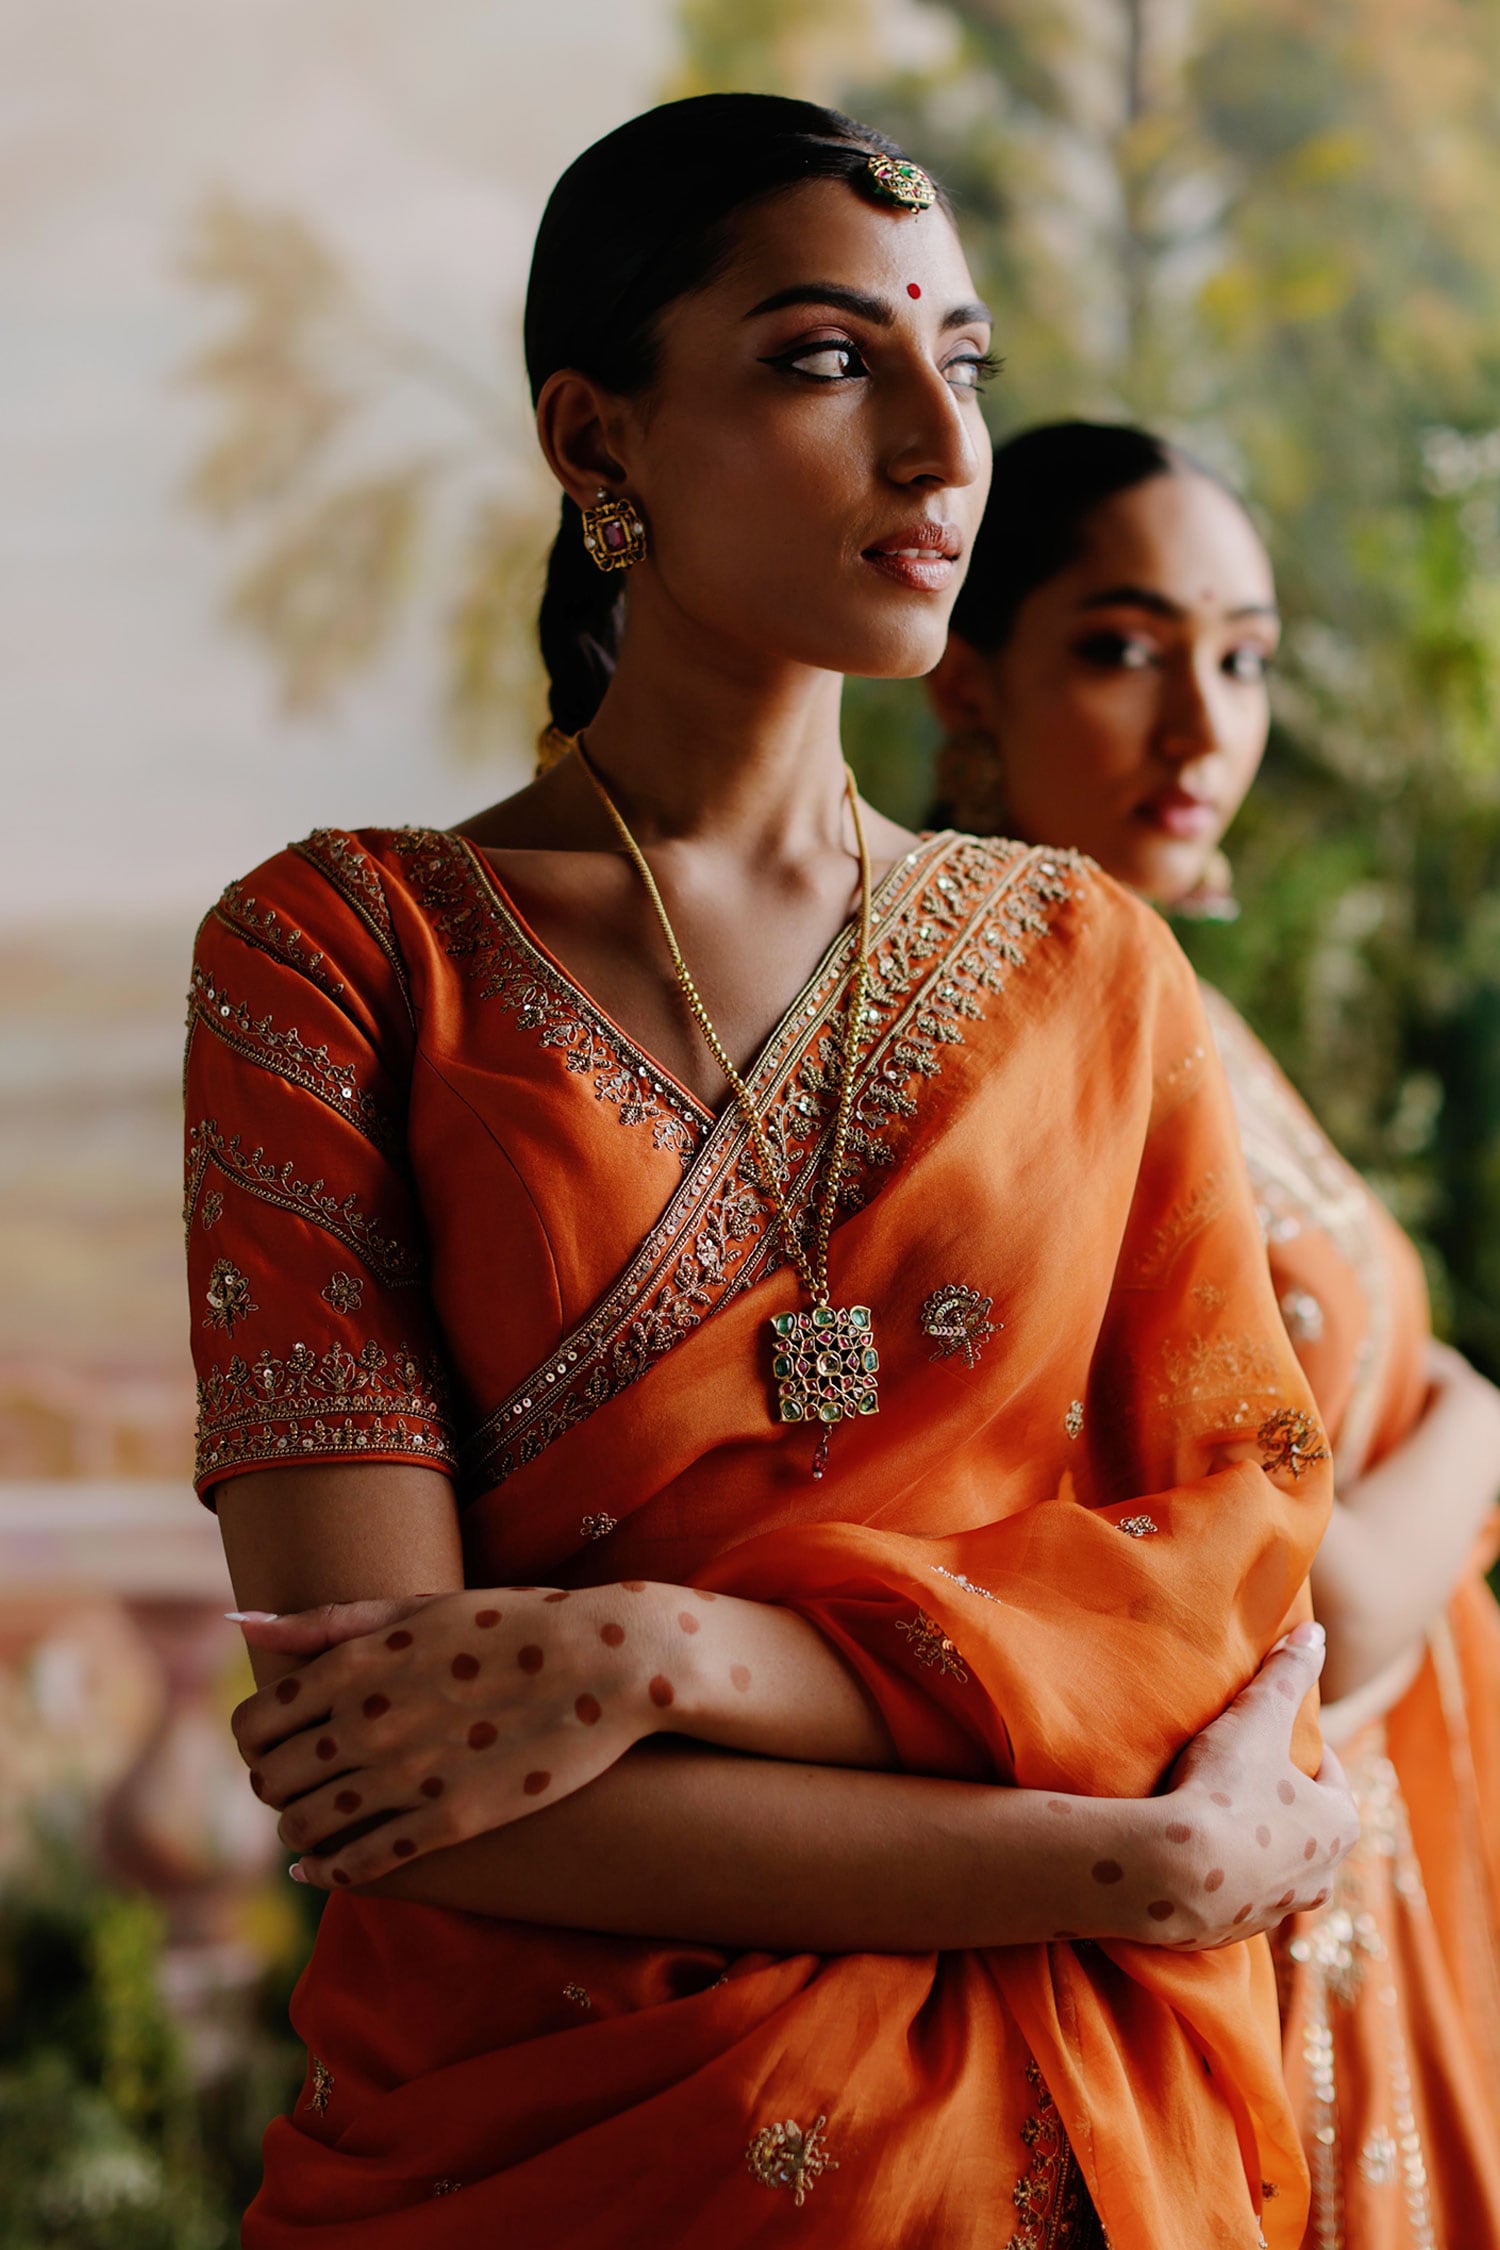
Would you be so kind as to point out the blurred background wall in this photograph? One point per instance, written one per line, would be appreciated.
(271, 537)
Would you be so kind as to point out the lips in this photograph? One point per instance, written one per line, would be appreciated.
(1178, 813)
(922, 556)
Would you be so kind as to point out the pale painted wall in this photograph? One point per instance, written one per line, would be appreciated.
(146, 757)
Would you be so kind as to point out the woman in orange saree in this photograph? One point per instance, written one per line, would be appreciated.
(1105, 686)
(452, 1213)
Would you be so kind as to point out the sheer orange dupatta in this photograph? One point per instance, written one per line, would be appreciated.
(1075, 1641)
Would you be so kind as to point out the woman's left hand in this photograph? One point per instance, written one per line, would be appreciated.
(449, 1716)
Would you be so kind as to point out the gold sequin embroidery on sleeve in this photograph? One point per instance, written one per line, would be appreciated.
(345, 1292)
(228, 1296)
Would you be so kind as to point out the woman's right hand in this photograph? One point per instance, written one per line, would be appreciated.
(1243, 1838)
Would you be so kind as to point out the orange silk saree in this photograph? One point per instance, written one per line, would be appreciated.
(1392, 1990)
(440, 1208)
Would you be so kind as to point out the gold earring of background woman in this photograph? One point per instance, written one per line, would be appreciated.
(824, 1360)
(971, 783)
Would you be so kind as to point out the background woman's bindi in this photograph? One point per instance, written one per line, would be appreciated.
(913, 289)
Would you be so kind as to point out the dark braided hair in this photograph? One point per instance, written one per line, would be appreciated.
(1047, 483)
(639, 220)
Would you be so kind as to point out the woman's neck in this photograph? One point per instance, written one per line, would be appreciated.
(722, 746)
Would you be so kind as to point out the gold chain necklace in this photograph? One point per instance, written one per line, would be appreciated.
(824, 1360)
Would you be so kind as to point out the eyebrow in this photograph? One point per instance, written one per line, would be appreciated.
(876, 310)
(1161, 605)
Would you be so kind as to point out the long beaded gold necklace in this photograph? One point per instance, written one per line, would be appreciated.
(824, 1360)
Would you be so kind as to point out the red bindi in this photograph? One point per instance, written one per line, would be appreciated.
(912, 289)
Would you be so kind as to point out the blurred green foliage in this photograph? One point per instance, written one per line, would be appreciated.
(108, 2141)
(1266, 228)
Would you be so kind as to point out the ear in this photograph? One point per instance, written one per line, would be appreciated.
(959, 687)
(580, 426)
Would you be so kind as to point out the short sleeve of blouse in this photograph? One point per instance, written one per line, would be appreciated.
(312, 1332)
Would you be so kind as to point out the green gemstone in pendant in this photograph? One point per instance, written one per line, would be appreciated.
(825, 1364)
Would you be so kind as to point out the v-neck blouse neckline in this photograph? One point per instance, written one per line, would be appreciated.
(921, 854)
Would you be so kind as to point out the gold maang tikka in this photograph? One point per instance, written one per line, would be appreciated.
(892, 179)
(823, 1360)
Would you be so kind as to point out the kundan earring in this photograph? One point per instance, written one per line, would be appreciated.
(614, 532)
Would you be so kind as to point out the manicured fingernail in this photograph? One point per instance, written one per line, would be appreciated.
(1309, 1634)
(297, 1871)
(252, 1616)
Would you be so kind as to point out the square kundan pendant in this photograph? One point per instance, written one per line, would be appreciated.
(825, 1364)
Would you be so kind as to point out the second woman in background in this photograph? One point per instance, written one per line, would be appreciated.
(1106, 688)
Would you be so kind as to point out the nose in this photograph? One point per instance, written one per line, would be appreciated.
(1188, 727)
(937, 437)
